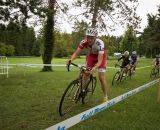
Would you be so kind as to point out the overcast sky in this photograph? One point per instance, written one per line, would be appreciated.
(145, 7)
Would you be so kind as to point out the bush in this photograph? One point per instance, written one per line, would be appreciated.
(10, 50)
(2, 49)
(6, 50)
(60, 49)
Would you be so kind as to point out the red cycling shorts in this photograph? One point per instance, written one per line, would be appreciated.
(92, 59)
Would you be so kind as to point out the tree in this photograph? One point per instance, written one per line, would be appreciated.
(102, 12)
(6, 50)
(49, 37)
(78, 34)
(141, 46)
(10, 50)
(20, 36)
(63, 44)
(116, 43)
(20, 10)
(151, 36)
(129, 41)
(2, 49)
(36, 48)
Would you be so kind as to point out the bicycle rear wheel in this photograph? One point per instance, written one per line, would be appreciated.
(116, 78)
(89, 90)
(132, 70)
(69, 97)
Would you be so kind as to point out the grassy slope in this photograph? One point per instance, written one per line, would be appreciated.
(29, 99)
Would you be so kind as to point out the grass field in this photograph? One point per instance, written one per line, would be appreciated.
(29, 99)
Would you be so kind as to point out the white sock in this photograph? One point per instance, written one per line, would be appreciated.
(106, 96)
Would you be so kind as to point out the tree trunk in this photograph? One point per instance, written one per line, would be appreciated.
(94, 19)
(49, 37)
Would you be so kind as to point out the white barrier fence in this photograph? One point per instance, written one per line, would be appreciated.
(4, 65)
(89, 113)
(57, 65)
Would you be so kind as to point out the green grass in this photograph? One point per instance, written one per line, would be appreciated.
(29, 99)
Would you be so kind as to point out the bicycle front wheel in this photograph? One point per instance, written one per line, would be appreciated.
(116, 78)
(69, 97)
(123, 75)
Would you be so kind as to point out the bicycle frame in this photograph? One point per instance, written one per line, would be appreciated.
(122, 68)
(80, 90)
(119, 74)
(83, 71)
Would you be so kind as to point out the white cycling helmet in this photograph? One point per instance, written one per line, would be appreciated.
(91, 32)
(134, 53)
(126, 53)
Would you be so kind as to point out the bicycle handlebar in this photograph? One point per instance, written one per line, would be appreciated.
(68, 66)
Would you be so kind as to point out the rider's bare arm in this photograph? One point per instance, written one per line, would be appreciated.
(75, 54)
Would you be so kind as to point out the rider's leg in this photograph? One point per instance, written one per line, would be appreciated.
(103, 84)
(124, 71)
(128, 67)
(89, 64)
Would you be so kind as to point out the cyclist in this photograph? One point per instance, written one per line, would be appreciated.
(125, 61)
(96, 59)
(156, 62)
(134, 60)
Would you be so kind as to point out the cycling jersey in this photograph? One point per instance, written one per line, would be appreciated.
(133, 59)
(95, 49)
(125, 61)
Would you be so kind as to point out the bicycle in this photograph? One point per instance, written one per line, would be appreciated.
(80, 88)
(132, 69)
(154, 72)
(120, 75)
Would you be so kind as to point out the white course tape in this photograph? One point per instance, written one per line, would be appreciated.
(57, 65)
(89, 113)
(142, 67)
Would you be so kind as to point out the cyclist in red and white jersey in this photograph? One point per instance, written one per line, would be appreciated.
(96, 59)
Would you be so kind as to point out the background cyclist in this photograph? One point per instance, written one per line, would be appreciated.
(96, 58)
(156, 62)
(134, 60)
(125, 61)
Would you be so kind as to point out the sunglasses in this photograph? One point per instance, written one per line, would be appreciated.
(90, 37)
